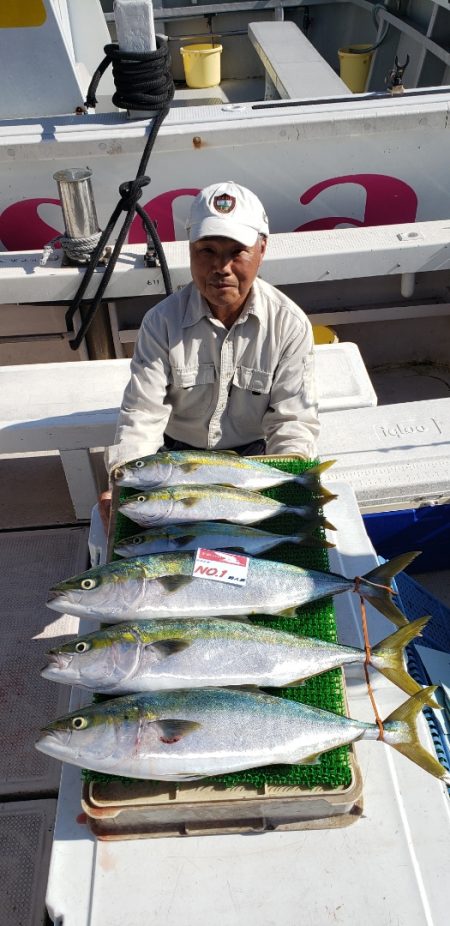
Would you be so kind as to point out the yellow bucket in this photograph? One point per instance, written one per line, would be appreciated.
(354, 66)
(201, 65)
(324, 335)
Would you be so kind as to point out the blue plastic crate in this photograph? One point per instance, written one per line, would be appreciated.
(426, 529)
(416, 601)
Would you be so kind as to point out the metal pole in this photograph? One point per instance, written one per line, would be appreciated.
(77, 202)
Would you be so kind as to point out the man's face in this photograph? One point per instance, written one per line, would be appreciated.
(224, 270)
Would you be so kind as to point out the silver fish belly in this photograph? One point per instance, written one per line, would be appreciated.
(213, 535)
(177, 504)
(187, 467)
(182, 735)
(164, 654)
(165, 586)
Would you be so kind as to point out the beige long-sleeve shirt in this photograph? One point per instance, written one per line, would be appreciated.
(215, 388)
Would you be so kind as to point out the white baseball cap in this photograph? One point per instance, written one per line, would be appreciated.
(228, 210)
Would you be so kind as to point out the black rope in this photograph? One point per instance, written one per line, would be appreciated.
(143, 81)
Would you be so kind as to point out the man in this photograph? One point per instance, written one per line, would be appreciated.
(227, 363)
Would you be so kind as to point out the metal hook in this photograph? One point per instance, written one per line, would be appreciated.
(394, 79)
(401, 67)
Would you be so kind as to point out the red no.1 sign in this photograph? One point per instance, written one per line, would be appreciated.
(221, 567)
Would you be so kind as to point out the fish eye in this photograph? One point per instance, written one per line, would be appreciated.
(88, 584)
(81, 646)
(139, 464)
(79, 723)
(136, 540)
(141, 498)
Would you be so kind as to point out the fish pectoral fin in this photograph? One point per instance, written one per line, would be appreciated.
(288, 612)
(165, 648)
(173, 583)
(172, 731)
(184, 540)
(310, 760)
(192, 776)
(189, 467)
(233, 548)
(189, 501)
(249, 687)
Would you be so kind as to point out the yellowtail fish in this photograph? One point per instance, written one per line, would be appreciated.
(164, 586)
(203, 467)
(214, 535)
(183, 735)
(166, 654)
(176, 504)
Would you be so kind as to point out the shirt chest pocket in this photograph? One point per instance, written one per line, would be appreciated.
(192, 391)
(257, 382)
(187, 377)
(249, 396)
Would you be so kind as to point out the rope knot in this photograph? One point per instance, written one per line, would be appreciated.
(131, 191)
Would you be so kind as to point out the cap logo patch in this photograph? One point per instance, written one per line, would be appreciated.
(224, 203)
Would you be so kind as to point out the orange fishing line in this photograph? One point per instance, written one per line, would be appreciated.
(368, 652)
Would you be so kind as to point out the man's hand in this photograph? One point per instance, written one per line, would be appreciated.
(104, 507)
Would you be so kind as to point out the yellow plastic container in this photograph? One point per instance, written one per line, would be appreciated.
(354, 66)
(201, 65)
(324, 335)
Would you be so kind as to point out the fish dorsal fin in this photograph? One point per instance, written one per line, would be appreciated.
(165, 648)
(173, 583)
(172, 731)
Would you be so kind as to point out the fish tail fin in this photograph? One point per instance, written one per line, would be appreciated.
(316, 470)
(328, 497)
(311, 479)
(311, 518)
(400, 732)
(387, 657)
(306, 540)
(376, 586)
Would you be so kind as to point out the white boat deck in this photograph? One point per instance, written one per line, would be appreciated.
(392, 865)
(44, 554)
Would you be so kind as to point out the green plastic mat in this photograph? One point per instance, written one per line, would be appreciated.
(333, 771)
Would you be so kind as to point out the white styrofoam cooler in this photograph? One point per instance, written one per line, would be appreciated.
(342, 378)
(392, 455)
